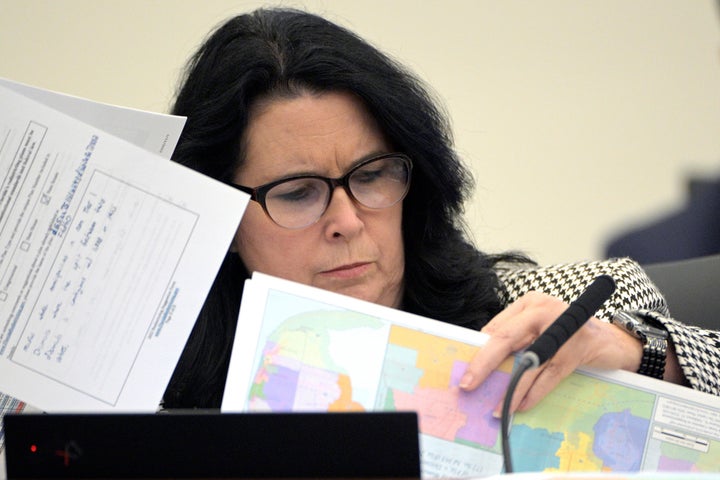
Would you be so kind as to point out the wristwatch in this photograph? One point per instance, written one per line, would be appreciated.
(654, 342)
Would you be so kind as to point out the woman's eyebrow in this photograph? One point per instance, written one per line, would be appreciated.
(313, 173)
(372, 154)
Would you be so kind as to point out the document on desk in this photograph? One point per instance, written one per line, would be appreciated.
(107, 251)
(305, 349)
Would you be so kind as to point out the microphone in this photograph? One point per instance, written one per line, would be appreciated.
(549, 342)
(571, 320)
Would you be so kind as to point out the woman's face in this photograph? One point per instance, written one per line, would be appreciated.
(351, 249)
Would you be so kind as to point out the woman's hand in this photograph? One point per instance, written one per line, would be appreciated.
(597, 344)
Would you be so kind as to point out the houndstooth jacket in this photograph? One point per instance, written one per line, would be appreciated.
(697, 349)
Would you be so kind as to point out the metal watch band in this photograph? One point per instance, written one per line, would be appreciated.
(653, 359)
(653, 338)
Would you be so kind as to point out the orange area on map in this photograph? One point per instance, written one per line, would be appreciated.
(436, 355)
(345, 403)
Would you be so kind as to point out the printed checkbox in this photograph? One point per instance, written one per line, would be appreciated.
(25, 246)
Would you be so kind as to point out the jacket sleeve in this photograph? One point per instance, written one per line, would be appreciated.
(697, 349)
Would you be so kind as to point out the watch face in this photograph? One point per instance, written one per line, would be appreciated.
(637, 326)
(627, 322)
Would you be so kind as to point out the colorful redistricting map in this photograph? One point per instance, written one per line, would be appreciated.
(338, 360)
(591, 425)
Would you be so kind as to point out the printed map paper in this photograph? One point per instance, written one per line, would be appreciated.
(303, 349)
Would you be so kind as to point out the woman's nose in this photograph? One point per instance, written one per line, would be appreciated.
(342, 217)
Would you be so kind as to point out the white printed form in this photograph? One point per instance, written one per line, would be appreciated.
(152, 131)
(106, 254)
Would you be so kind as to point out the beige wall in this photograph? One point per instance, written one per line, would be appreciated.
(576, 116)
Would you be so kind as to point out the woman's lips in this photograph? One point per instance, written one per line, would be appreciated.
(348, 271)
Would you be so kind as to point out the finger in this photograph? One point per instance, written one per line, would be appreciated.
(509, 331)
(538, 383)
(518, 395)
(485, 361)
(534, 385)
(538, 386)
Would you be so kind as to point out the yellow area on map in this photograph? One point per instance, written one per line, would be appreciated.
(577, 456)
(304, 345)
(577, 403)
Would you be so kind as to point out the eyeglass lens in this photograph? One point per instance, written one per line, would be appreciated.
(300, 202)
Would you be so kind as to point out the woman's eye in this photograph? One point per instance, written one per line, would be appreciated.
(295, 193)
(367, 176)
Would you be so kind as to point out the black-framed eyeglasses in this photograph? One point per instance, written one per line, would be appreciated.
(297, 202)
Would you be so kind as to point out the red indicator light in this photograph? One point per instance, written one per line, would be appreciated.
(33, 448)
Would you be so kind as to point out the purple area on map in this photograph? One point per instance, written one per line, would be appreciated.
(280, 387)
(481, 427)
(619, 437)
(667, 464)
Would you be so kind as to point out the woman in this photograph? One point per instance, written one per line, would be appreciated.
(275, 95)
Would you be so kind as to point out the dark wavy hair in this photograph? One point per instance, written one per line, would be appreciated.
(278, 53)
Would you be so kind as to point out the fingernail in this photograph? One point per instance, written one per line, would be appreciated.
(466, 380)
(496, 414)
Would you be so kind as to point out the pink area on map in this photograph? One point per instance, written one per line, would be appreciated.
(452, 414)
(316, 389)
(437, 410)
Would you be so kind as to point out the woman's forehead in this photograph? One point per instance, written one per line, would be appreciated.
(310, 133)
